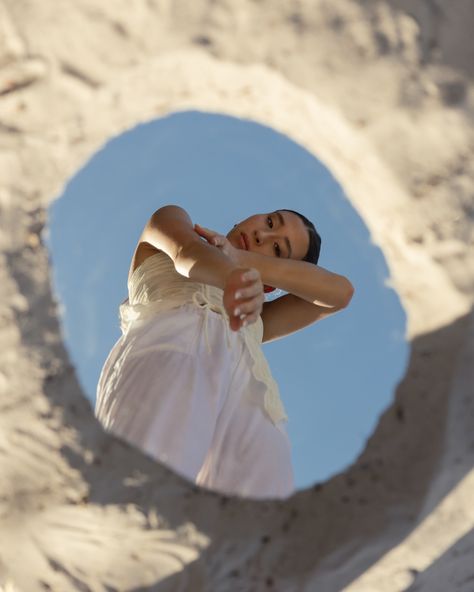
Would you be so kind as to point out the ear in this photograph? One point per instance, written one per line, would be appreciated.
(268, 289)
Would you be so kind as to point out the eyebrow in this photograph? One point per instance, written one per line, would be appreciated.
(282, 223)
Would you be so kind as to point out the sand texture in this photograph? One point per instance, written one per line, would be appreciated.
(382, 93)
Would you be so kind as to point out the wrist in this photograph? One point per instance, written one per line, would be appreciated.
(204, 263)
(243, 258)
(251, 259)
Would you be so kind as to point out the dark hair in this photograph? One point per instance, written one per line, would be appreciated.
(312, 255)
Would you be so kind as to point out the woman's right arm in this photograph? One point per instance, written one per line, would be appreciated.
(170, 229)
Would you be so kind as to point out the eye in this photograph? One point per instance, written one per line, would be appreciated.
(277, 247)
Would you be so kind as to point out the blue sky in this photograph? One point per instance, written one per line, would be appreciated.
(337, 376)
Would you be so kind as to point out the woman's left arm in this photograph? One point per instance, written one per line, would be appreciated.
(307, 281)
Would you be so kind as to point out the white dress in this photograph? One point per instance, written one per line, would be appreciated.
(190, 392)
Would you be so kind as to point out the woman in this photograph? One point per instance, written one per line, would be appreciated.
(187, 382)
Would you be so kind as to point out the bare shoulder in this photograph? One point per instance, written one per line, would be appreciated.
(167, 230)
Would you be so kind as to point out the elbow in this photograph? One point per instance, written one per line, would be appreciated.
(346, 294)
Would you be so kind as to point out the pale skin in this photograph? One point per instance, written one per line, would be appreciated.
(276, 243)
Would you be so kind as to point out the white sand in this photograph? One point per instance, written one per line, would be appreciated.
(385, 99)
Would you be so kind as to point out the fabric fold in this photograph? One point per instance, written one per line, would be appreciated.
(156, 286)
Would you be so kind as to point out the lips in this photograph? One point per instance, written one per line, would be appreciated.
(244, 241)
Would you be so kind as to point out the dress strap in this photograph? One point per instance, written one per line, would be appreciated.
(203, 299)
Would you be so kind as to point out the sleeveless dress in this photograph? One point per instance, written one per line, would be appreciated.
(187, 390)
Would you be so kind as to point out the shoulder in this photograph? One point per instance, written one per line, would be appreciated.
(168, 229)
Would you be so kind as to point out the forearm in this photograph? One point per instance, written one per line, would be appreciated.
(203, 263)
(305, 280)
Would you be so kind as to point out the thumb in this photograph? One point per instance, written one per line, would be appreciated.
(204, 229)
(208, 234)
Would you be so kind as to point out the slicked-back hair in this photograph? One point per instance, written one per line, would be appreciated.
(314, 249)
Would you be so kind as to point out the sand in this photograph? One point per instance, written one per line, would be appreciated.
(382, 94)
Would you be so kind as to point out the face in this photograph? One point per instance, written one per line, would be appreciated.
(276, 234)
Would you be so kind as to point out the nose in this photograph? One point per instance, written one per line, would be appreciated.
(261, 235)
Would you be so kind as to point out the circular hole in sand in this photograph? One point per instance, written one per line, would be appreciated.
(336, 376)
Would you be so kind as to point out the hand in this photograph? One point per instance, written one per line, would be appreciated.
(248, 282)
(220, 241)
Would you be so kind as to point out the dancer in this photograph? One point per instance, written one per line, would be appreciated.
(187, 382)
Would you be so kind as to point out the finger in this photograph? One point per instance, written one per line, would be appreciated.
(211, 240)
(206, 232)
(248, 292)
(204, 229)
(201, 232)
(250, 275)
(249, 319)
(243, 293)
(248, 307)
(254, 281)
(235, 323)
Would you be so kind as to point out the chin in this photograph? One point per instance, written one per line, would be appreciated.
(234, 239)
